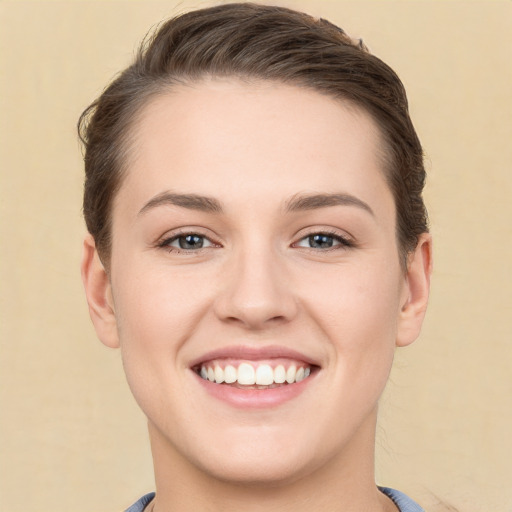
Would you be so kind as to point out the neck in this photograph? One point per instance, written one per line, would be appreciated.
(344, 483)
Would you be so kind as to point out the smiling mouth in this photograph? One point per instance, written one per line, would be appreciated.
(253, 374)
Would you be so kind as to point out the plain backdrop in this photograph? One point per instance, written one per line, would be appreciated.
(72, 437)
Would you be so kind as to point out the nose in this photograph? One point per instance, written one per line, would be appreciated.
(255, 292)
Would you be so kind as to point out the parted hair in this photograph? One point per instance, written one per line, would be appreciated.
(251, 42)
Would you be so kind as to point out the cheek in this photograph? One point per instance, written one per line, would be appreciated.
(358, 310)
(148, 313)
(155, 317)
(158, 310)
(153, 305)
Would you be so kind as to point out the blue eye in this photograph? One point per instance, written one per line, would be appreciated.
(323, 241)
(187, 242)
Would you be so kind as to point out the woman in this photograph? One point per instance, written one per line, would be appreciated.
(257, 248)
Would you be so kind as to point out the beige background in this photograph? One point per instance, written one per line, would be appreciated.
(72, 438)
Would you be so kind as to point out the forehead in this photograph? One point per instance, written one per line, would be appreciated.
(237, 138)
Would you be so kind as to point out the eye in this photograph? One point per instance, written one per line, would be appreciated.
(187, 242)
(323, 241)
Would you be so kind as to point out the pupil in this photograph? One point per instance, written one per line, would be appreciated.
(320, 241)
(191, 242)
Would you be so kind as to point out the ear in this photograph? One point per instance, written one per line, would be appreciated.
(416, 291)
(99, 294)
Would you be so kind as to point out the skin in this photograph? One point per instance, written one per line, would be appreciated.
(257, 281)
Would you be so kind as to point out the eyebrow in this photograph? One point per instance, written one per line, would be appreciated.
(313, 201)
(299, 202)
(189, 201)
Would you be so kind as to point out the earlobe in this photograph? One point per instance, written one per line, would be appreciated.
(416, 292)
(99, 294)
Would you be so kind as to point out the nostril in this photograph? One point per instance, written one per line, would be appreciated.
(253, 320)
(255, 293)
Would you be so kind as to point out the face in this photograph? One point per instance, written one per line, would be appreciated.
(255, 285)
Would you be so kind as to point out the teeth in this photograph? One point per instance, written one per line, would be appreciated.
(230, 374)
(219, 375)
(264, 375)
(248, 375)
(279, 374)
(290, 374)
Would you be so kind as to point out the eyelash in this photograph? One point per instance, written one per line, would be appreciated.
(343, 242)
(166, 243)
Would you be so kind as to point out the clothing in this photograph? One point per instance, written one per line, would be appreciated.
(403, 502)
(140, 505)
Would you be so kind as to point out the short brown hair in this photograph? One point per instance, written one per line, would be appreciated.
(256, 42)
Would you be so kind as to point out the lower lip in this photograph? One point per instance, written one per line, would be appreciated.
(255, 398)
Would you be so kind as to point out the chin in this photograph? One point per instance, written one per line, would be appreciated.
(259, 471)
(273, 457)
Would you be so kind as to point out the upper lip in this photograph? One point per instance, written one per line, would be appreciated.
(250, 353)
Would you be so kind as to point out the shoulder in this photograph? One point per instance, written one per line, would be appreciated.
(403, 502)
(141, 504)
